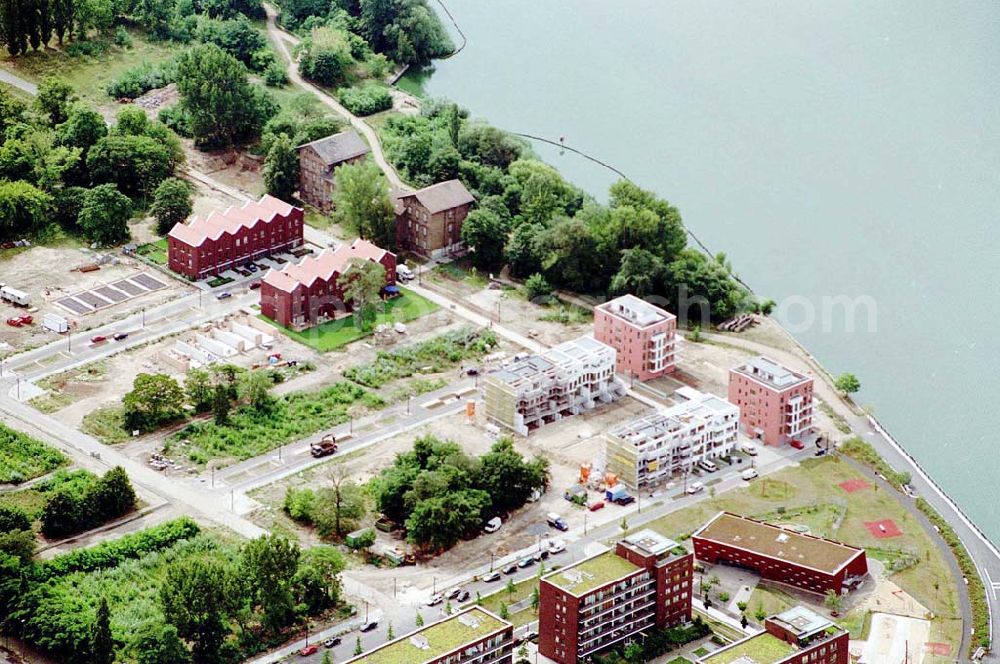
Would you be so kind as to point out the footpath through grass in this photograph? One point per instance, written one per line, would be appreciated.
(338, 333)
(809, 495)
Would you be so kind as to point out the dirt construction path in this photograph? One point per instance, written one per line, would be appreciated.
(280, 39)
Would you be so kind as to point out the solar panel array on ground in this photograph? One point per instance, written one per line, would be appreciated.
(88, 301)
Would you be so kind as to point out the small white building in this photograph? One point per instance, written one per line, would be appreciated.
(649, 449)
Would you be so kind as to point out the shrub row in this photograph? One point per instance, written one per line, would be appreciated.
(862, 451)
(977, 591)
(71, 509)
(365, 99)
(113, 553)
(139, 80)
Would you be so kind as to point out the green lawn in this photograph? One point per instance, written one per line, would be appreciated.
(154, 251)
(337, 333)
(90, 74)
(809, 495)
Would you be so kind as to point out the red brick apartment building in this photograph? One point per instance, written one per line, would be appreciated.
(223, 240)
(429, 220)
(610, 598)
(776, 403)
(796, 636)
(473, 636)
(645, 336)
(304, 294)
(318, 161)
(806, 562)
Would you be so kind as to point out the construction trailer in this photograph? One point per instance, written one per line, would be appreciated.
(566, 380)
(14, 296)
(649, 449)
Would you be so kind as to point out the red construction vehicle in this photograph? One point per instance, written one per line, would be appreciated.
(325, 447)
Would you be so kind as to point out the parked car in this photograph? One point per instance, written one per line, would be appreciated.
(251, 267)
(369, 625)
(120, 336)
(309, 650)
(527, 561)
(254, 285)
(749, 474)
(472, 371)
(490, 577)
(797, 444)
(98, 338)
(434, 600)
(556, 521)
(540, 555)
(695, 487)
(749, 448)
(464, 596)
(331, 642)
(223, 295)
(821, 451)
(625, 500)
(596, 505)
(510, 569)
(454, 593)
(557, 546)
(707, 466)
(493, 525)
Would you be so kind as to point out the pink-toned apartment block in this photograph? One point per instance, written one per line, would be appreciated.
(644, 336)
(776, 403)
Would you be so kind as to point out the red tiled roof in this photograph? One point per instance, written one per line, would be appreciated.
(329, 263)
(230, 220)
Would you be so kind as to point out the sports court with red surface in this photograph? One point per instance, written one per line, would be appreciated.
(942, 649)
(884, 528)
(850, 486)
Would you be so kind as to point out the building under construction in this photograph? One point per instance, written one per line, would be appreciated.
(565, 380)
(649, 449)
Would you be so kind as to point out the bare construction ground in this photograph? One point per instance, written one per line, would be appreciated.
(49, 274)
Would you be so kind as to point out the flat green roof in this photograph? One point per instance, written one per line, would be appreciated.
(441, 638)
(764, 648)
(592, 573)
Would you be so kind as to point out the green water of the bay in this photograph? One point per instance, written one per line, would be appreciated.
(829, 148)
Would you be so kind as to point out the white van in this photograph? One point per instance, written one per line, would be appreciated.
(493, 525)
(404, 273)
(707, 466)
(749, 448)
(749, 474)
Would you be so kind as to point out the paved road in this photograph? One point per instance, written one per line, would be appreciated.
(280, 39)
(983, 551)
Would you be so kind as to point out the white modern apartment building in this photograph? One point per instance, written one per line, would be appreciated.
(649, 449)
(539, 389)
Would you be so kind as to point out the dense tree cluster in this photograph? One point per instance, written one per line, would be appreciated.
(61, 163)
(77, 506)
(32, 24)
(532, 220)
(441, 494)
(200, 600)
(403, 31)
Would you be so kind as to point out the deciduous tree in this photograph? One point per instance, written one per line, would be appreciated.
(154, 399)
(172, 204)
(269, 564)
(362, 203)
(54, 98)
(361, 282)
(195, 600)
(105, 214)
(281, 168)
